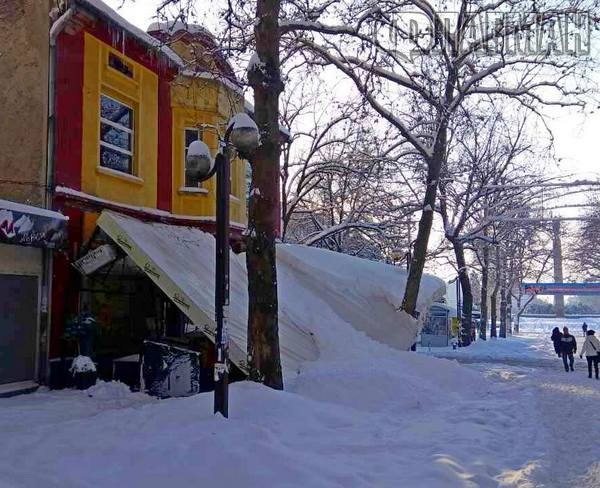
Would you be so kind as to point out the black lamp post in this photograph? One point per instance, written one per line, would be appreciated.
(241, 134)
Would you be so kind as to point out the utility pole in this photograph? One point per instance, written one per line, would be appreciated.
(559, 300)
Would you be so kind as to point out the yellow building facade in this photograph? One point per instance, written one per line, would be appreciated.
(124, 124)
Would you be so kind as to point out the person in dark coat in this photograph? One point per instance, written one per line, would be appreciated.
(568, 347)
(584, 329)
(556, 337)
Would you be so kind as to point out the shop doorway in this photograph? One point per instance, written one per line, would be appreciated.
(18, 327)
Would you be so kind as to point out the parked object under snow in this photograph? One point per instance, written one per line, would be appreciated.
(319, 291)
(83, 364)
(84, 372)
(169, 371)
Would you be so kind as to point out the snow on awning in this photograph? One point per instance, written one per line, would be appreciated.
(329, 291)
(330, 304)
(181, 262)
(27, 225)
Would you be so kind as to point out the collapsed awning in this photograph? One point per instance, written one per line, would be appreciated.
(181, 262)
(26, 225)
(330, 304)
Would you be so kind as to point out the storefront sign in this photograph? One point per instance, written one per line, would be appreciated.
(25, 225)
(95, 259)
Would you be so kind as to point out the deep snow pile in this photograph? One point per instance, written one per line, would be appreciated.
(364, 414)
(389, 423)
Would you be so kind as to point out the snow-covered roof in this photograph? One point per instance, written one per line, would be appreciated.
(207, 75)
(30, 209)
(100, 8)
(180, 261)
(172, 27)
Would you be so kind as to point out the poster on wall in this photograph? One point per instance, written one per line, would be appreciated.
(25, 225)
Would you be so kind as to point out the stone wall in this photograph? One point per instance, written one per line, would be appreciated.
(24, 49)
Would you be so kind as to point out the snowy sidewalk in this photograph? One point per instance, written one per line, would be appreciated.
(565, 404)
(381, 418)
(413, 421)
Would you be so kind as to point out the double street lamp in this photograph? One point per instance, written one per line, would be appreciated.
(242, 135)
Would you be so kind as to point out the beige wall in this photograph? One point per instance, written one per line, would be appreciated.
(24, 27)
(20, 260)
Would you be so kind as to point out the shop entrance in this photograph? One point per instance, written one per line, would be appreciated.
(18, 327)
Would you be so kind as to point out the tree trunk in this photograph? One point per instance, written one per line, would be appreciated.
(503, 314)
(417, 262)
(494, 313)
(502, 304)
(467, 292)
(559, 300)
(508, 311)
(484, 292)
(263, 220)
(434, 167)
(519, 311)
(494, 297)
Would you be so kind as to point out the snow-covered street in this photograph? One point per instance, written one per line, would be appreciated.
(510, 417)
(564, 404)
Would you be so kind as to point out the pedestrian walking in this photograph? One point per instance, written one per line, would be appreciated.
(584, 329)
(555, 338)
(568, 347)
(591, 349)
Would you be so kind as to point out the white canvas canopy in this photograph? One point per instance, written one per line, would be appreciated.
(317, 289)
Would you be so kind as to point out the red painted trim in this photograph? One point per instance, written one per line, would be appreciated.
(165, 153)
(85, 204)
(65, 283)
(69, 110)
(129, 46)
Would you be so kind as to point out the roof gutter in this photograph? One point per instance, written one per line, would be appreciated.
(42, 369)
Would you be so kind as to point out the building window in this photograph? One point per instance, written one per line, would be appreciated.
(191, 135)
(116, 135)
(118, 64)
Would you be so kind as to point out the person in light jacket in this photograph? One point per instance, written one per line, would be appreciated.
(591, 349)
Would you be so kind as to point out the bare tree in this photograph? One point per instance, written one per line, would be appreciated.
(420, 81)
(486, 149)
(531, 261)
(585, 249)
(258, 23)
(346, 183)
(419, 84)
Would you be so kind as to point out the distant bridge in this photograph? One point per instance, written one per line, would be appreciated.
(567, 316)
(560, 288)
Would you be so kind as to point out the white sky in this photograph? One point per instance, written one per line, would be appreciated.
(576, 135)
